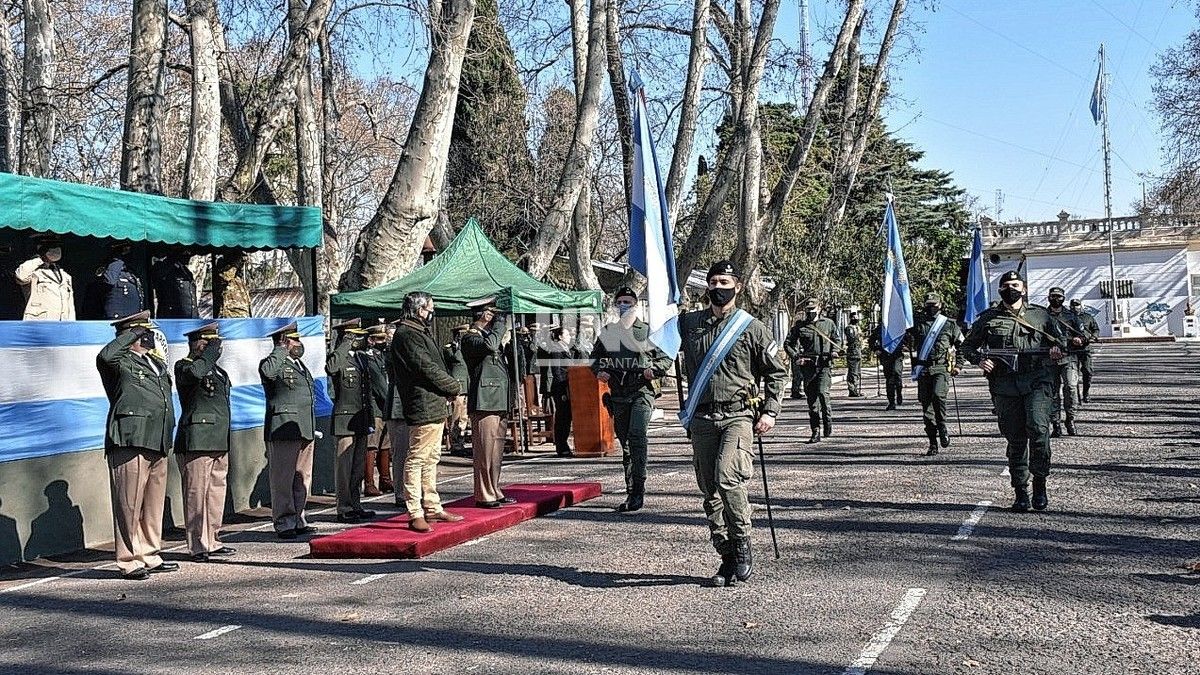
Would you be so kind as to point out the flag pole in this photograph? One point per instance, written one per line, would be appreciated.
(1112, 256)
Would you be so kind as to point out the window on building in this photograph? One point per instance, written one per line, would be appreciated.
(1195, 285)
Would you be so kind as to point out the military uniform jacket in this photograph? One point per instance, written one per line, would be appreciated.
(48, 290)
(288, 385)
(752, 358)
(422, 382)
(456, 365)
(140, 412)
(491, 376)
(375, 362)
(1070, 326)
(998, 327)
(174, 289)
(939, 357)
(624, 353)
(204, 425)
(1090, 328)
(123, 292)
(393, 408)
(853, 341)
(803, 341)
(351, 387)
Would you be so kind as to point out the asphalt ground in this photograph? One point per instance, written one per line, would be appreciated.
(892, 562)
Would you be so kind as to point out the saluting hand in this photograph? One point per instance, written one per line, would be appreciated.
(1076, 342)
(764, 424)
(1056, 353)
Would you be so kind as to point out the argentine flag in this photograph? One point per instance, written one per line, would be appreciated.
(977, 290)
(897, 303)
(651, 251)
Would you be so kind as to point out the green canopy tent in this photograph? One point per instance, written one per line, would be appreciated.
(470, 268)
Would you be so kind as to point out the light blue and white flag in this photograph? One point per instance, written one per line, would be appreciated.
(897, 303)
(977, 288)
(651, 250)
(1097, 102)
(52, 401)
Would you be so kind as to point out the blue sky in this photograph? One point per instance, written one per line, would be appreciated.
(998, 94)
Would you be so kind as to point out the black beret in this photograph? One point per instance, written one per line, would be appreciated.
(625, 291)
(1011, 275)
(721, 267)
(1057, 291)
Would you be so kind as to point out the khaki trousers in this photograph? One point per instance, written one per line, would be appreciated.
(487, 445)
(291, 479)
(349, 469)
(379, 439)
(138, 479)
(420, 469)
(458, 419)
(397, 430)
(204, 480)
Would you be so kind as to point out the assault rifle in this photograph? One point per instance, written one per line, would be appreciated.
(1010, 356)
(817, 359)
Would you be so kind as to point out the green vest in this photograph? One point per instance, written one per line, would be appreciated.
(204, 425)
(350, 384)
(289, 390)
(140, 413)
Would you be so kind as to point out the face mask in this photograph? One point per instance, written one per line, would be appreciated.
(428, 320)
(622, 310)
(53, 255)
(297, 352)
(811, 315)
(1010, 295)
(1056, 302)
(719, 297)
(147, 340)
(932, 309)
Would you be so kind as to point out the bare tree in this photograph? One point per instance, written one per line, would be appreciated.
(9, 95)
(141, 161)
(685, 135)
(38, 117)
(205, 33)
(580, 251)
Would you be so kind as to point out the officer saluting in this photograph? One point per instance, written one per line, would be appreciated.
(352, 418)
(289, 428)
(202, 441)
(136, 442)
(726, 351)
(1014, 344)
(813, 344)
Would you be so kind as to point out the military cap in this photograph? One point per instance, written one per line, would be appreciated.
(461, 328)
(140, 320)
(522, 331)
(1011, 275)
(353, 326)
(208, 331)
(933, 299)
(812, 303)
(1056, 291)
(535, 326)
(1075, 302)
(626, 291)
(377, 329)
(46, 238)
(288, 331)
(721, 267)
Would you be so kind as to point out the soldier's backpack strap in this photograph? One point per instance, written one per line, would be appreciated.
(734, 327)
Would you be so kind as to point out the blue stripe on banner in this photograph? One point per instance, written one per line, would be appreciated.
(99, 333)
(76, 425)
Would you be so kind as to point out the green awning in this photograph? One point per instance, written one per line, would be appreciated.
(469, 268)
(45, 205)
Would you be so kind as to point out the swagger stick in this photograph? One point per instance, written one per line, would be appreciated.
(755, 406)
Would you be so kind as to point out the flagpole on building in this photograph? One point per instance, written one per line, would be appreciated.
(1112, 256)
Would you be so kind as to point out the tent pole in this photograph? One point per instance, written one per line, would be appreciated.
(518, 381)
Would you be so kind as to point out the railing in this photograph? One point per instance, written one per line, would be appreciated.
(1148, 225)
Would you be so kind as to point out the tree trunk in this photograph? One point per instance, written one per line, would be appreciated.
(620, 92)
(204, 132)
(141, 147)
(309, 184)
(38, 118)
(9, 97)
(329, 258)
(580, 251)
(557, 222)
(685, 136)
(391, 242)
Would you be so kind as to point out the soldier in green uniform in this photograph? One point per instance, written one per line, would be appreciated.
(933, 340)
(137, 439)
(723, 424)
(379, 443)
(456, 365)
(489, 400)
(289, 428)
(202, 441)
(892, 365)
(624, 357)
(1092, 331)
(556, 356)
(1014, 344)
(853, 341)
(812, 344)
(1066, 370)
(353, 417)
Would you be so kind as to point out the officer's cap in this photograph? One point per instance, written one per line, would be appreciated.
(209, 331)
(461, 328)
(288, 331)
(535, 326)
(812, 303)
(721, 267)
(1076, 303)
(933, 299)
(522, 331)
(627, 292)
(352, 326)
(1011, 275)
(379, 329)
(46, 239)
(139, 320)
(1057, 291)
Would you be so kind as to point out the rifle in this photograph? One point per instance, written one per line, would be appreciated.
(1010, 356)
(754, 401)
(817, 359)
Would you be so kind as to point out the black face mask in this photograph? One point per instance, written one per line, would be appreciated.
(147, 340)
(1010, 295)
(297, 352)
(719, 297)
(932, 309)
(812, 316)
(1056, 302)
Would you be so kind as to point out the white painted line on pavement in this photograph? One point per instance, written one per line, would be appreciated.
(557, 478)
(476, 541)
(367, 579)
(216, 633)
(1005, 472)
(880, 641)
(972, 520)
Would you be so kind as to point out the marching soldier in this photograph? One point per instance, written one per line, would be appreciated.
(289, 428)
(726, 352)
(456, 365)
(934, 337)
(137, 438)
(48, 289)
(892, 365)
(558, 355)
(1066, 369)
(1092, 331)
(488, 402)
(202, 441)
(853, 340)
(379, 443)
(812, 346)
(624, 357)
(352, 418)
(1014, 345)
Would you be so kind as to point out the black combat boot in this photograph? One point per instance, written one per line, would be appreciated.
(725, 573)
(891, 404)
(1087, 385)
(816, 435)
(933, 445)
(1040, 501)
(633, 501)
(1070, 426)
(1021, 503)
(827, 427)
(814, 423)
(1057, 431)
(744, 559)
(944, 436)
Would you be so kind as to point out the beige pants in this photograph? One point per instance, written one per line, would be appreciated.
(397, 430)
(138, 479)
(204, 475)
(420, 469)
(379, 439)
(348, 472)
(291, 479)
(487, 446)
(458, 418)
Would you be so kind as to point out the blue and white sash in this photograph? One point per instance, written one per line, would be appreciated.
(716, 353)
(927, 346)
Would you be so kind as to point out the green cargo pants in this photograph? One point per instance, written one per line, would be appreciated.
(1066, 388)
(816, 392)
(854, 376)
(631, 418)
(932, 389)
(1024, 421)
(723, 455)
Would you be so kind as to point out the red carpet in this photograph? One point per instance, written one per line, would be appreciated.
(391, 538)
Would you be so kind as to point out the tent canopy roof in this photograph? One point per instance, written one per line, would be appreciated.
(470, 268)
(67, 208)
